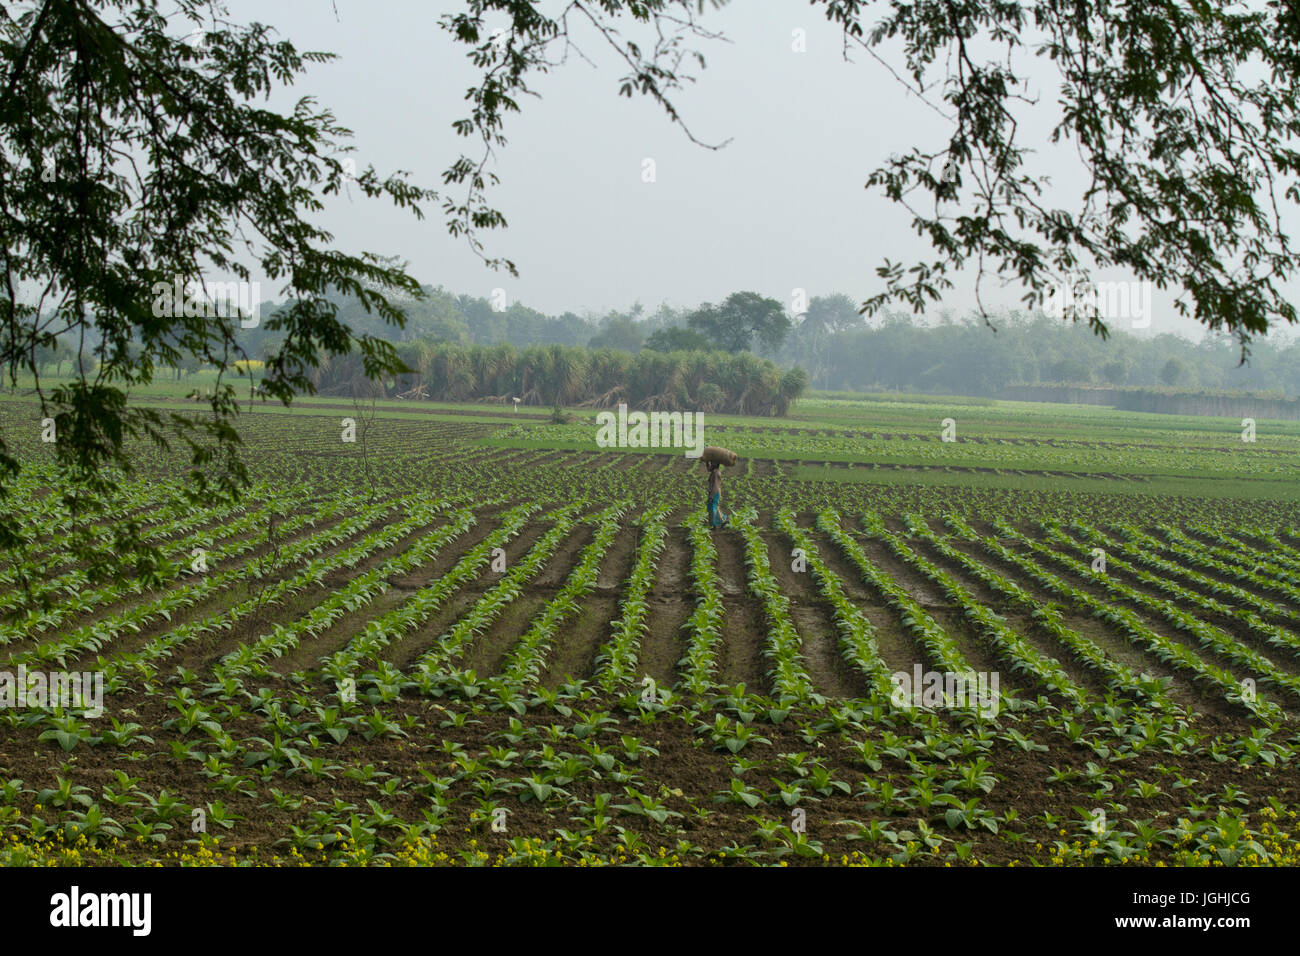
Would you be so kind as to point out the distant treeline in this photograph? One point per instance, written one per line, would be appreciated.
(841, 349)
(443, 316)
(739, 384)
(1167, 401)
(967, 358)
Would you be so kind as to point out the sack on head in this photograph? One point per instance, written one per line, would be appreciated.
(723, 456)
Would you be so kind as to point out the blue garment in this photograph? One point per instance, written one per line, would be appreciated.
(716, 517)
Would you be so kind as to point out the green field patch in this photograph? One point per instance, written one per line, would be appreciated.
(939, 476)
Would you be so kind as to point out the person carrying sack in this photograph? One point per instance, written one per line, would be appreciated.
(716, 518)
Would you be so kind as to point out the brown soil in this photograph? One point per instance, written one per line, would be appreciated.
(404, 651)
(740, 659)
(670, 604)
(814, 619)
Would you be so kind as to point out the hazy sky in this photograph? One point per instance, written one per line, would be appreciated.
(782, 206)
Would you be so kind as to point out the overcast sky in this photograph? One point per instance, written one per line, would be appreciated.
(781, 207)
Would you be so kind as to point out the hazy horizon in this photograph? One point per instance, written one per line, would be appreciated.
(781, 207)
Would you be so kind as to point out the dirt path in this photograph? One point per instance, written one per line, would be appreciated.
(740, 658)
(574, 652)
(670, 604)
(815, 621)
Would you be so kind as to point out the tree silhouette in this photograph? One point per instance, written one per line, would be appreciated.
(138, 170)
(1182, 113)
